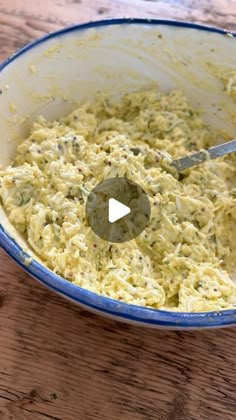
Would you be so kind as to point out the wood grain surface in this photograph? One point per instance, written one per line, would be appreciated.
(60, 362)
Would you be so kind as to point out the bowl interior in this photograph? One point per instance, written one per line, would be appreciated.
(52, 76)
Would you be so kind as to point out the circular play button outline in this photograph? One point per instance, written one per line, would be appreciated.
(118, 210)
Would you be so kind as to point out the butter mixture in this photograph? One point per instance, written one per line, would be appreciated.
(184, 259)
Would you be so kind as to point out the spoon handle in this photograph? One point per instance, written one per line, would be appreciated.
(204, 155)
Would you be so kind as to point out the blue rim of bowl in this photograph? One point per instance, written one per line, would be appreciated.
(93, 301)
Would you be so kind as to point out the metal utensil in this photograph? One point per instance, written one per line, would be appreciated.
(204, 155)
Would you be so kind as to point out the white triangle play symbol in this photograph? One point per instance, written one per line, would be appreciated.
(116, 210)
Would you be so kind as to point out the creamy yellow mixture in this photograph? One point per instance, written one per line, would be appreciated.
(183, 260)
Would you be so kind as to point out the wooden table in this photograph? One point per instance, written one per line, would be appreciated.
(60, 362)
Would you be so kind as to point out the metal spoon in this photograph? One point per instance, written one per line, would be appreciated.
(204, 155)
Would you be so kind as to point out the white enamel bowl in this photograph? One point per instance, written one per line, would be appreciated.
(51, 75)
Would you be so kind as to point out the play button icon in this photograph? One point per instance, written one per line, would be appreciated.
(118, 210)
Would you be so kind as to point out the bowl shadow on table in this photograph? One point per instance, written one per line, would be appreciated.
(71, 363)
